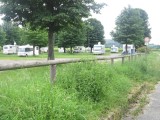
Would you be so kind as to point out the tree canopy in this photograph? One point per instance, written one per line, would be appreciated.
(71, 37)
(2, 36)
(95, 33)
(12, 32)
(131, 27)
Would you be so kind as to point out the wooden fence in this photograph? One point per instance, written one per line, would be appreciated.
(21, 65)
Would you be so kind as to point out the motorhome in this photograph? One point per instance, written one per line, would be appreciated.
(114, 49)
(130, 49)
(10, 49)
(27, 50)
(98, 49)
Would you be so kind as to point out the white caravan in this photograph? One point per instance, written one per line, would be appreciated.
(10, 49)
(130, 49)
(98, 49)
(44, 49)
(79, 49)
(61, 50)
(27, 50)
(114, 49)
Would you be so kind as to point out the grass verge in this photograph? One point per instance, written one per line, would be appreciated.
(82, 91)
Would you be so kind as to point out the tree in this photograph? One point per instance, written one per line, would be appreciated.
(12, 32)
(130, 27)
(36, 38)
(2, 36)
(95, 33)
(52, 15)
(71, 37)
(144, 17)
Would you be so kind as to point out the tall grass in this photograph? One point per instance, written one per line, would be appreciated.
(82, 91)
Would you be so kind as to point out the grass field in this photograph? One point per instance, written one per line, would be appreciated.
(44, 56)
(82, 91)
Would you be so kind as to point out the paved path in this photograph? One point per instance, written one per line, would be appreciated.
(152, 110)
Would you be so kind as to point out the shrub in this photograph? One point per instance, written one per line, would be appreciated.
(0, 48)
(144, 49)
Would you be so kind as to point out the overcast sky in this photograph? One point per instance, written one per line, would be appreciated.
(114, 8)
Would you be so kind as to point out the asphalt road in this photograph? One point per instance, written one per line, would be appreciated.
(152, 110)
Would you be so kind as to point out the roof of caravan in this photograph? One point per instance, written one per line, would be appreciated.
(25, 46)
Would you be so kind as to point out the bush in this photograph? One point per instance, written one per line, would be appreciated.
(143, 49)
(0, 48)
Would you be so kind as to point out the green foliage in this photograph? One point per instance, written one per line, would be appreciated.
(71, 37)
(37, 37)
(144, 49)
(0, 48)
(131, 27)
(2, 36)
(145, 24)
(81, 91)
(95, 33)
(11, 32)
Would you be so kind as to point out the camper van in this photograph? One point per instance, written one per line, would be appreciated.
(10, 49)
(98, 49)
(27, 50)
(114, 49)
(130, 49)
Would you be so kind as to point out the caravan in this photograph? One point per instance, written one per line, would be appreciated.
(27, 50)
(114, 49)
(130, 49)
(98, 49)
(79, 49)
(10, 49)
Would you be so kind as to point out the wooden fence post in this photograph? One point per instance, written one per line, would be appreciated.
(122, 59)
(112, 60)
(52, 73)
(135, 56)
(129, 58)
(139, 55)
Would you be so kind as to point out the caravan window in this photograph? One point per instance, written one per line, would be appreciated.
(5, 47)
(97, 47)
(28, 49)
(21, 50)
(36, 48)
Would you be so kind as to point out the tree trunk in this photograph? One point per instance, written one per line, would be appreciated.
(71, 49)
(64, 49)
(51, 39)
(33, 50)
(39, 50)
(91, 49)
(126, 48)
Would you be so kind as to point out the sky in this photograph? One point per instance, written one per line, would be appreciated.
(114, 7)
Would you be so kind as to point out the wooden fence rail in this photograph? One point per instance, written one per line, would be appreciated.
(21, 65)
